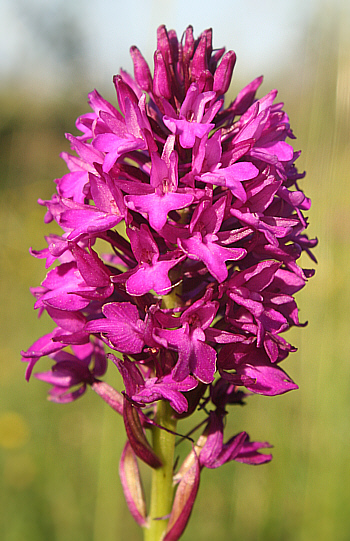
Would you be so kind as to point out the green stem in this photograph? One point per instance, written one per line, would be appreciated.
(162, 478)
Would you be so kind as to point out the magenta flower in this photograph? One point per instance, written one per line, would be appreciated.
(192, 122)
(204, 244)
(74, 371)
(195, 356)
(182, 225)
(122, 327)
(166, 196)
(151, 271)
(150, 389)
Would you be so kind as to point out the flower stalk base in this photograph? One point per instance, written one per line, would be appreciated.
(162, 478)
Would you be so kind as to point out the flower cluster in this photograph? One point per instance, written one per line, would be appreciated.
(182, 225)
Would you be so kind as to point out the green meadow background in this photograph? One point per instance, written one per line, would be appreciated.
(59, 463)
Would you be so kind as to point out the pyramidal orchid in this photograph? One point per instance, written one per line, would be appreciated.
(182, 222)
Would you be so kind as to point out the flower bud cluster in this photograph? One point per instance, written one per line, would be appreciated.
(182, 225)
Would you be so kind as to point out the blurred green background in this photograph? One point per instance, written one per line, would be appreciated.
(59, 464)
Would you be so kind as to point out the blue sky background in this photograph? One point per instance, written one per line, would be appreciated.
(46, 45)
